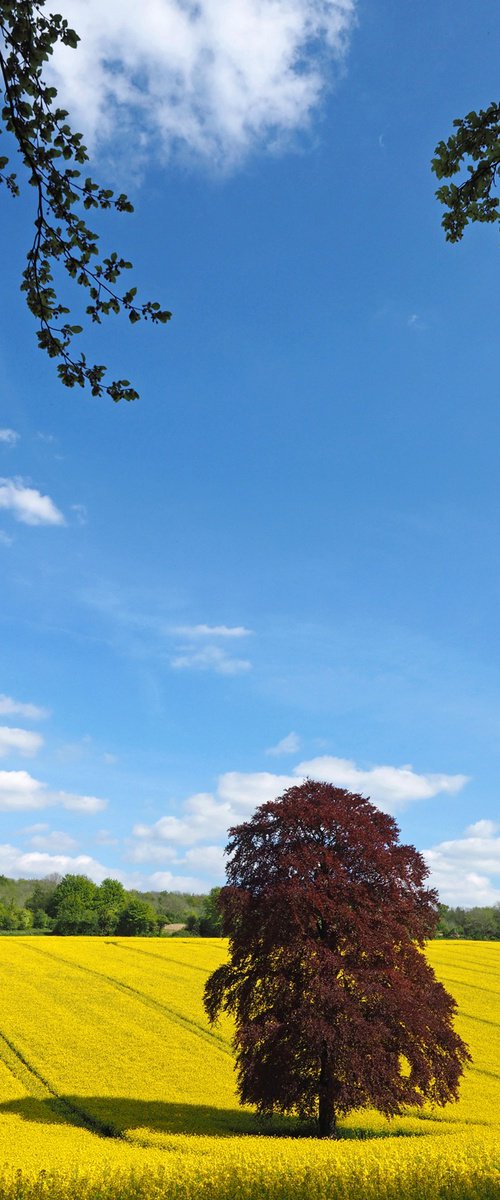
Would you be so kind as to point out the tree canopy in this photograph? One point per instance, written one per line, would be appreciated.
(335, 1005)
(63, 243)
(475, 146)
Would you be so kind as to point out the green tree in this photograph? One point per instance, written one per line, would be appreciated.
(73, 905)
(12, 917)
(41, 895)
(25, 918)
(53, 156)
(474, 147)
(41, 920)
(137, 919)
(210, 921)
(110, 899)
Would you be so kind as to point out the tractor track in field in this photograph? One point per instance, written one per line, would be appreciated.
(167, 962)
(40, 1089)
(480, 1020)
(475, 986)
(473, 970)
(151, 954)
(213, 1039)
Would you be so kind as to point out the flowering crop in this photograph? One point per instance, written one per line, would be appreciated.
(114, 1087)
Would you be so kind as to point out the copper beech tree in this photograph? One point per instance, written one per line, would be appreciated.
(335, 1005)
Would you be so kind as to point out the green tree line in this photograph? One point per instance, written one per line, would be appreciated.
(73, 904)
(475, 924)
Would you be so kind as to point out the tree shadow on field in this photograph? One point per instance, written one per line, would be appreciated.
(149, 1120)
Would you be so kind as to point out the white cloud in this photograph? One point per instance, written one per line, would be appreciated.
(206, 858)
(11, 708)
(20, 741)
(166, 881)
(391, 788)
(205, 817)
(211, 631)
(212, 78)
(210, 658)
(239, 793)
(5, 538)
(75, 803)
(482, 828)
(189, 839)
(55, 841)
(466, 871)
(244, 791)
(151, 851)
(28, 505)
(9, 437)
(208, 816)
(19, 791)
(288, 745)
(34, 864)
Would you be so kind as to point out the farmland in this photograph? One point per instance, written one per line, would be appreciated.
(112, 1084)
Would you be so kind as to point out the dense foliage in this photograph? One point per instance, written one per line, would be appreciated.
(475, 146)
(335, 1005)
(75, 905)
(475, 924)
(63, 245)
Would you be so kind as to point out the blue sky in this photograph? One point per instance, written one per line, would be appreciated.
(283, 560)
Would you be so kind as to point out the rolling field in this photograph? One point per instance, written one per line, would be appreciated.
(112, 1084)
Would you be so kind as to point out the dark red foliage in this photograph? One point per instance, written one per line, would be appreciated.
(335, 1005)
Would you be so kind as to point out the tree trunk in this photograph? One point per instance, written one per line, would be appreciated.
(326, 1114)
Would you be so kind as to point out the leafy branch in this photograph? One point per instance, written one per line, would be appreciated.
(477, 138)
(53, 156)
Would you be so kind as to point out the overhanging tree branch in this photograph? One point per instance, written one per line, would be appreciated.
(53, 155)
(475, 144)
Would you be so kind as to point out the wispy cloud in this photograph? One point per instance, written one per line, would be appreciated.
(54, 841)
(213, 79)
(288, 745)
(9, 437)
(211, 631)
(27, 504)
(210, 658)
(19, 741)
(80, 511)
(142, 631)
(10, 707)
(415, 322)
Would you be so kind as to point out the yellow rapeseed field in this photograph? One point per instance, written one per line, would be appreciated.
(114, 1087)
